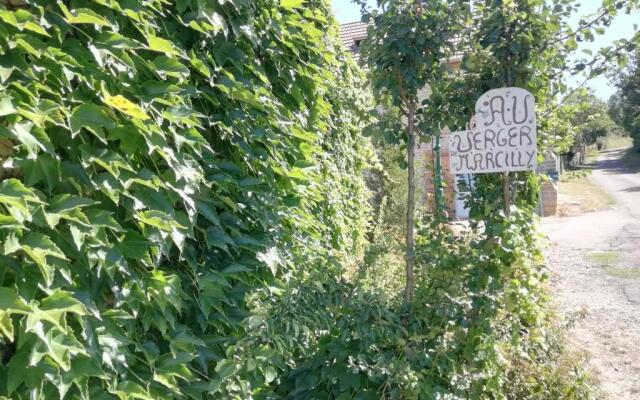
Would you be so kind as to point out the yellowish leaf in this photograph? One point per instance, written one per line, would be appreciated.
(125, 106)
(291, 3)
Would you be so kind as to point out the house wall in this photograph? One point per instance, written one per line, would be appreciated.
(352, 34)
(425, 176)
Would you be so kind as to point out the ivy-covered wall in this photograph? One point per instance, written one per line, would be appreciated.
(169, 167)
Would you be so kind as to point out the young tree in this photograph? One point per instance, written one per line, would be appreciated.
(531, 44)
(409, 41)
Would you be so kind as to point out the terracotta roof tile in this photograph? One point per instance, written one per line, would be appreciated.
(352, 32)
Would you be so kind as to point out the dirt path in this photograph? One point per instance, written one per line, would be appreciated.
(595, 260)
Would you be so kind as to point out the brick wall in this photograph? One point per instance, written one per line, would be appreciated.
(549, 189)
(425, 182)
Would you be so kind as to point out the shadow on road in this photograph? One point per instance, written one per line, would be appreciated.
(609, 162)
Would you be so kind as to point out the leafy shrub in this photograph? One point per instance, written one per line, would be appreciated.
(480, 328)
(169, 163)
(343, 343)
(382, 269)
(484, 328)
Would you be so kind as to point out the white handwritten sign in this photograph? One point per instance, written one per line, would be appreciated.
(504, 137)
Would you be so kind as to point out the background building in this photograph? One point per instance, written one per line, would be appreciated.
(353, 35)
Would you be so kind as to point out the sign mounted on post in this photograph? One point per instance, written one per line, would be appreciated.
(503, 138)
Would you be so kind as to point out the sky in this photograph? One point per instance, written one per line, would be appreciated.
(346, 11)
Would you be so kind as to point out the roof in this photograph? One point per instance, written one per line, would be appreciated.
(352, 32)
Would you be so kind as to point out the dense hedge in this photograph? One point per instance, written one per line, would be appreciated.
(167, 168)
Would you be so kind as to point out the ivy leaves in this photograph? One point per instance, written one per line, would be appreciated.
(17, 199)
(92, 118)
(57, 343)
(10, 303)
(126, 106)
(162, 165)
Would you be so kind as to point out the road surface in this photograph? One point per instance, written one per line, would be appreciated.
(606, 293)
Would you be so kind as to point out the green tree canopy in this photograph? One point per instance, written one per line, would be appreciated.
(590, 118)
(625, 104)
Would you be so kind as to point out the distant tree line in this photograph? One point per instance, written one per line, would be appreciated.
(585, 121)
(624, 106)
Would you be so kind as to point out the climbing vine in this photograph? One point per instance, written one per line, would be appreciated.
(181, 191)
(163, 162)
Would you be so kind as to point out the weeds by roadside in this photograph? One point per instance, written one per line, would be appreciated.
(613, 142)
(575, 175)
(578, 195)
(612, 265)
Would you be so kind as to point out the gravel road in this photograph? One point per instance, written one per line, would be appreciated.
(606, 292)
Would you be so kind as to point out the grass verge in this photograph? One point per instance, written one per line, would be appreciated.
(605, 258)
(623, 272)
(614, 142)
(578, 195)
(610, 262)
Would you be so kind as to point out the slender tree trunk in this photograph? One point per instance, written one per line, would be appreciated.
(409, 256)
(437, 179)
(506, 186)
(506, 195)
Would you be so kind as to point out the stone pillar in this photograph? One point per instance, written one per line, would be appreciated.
(548, 199)
(548, 203)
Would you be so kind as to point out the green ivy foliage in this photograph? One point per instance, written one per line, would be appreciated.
(486, 328)
(169, 169)
(481, 329)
